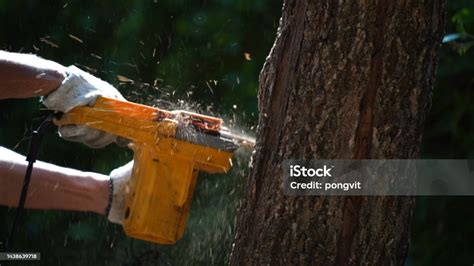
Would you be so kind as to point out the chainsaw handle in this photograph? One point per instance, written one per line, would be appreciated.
(125, 119)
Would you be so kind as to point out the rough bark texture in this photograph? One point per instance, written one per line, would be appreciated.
(344, 79)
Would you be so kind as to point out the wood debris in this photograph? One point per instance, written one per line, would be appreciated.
(75, 38)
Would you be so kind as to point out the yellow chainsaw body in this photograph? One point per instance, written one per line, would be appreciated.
(159, 193)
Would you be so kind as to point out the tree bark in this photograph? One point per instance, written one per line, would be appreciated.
(344, 80)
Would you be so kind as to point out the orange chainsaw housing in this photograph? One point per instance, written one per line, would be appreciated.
(159, 193)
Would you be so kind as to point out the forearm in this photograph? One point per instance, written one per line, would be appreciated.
(26, 75)
(52, 187)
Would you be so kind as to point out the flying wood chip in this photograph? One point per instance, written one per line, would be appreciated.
(75, 38)
(124, 79)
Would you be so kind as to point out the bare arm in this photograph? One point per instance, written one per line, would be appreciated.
(51, 187)
(26, 75)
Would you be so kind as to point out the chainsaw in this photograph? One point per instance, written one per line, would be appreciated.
(170, 149)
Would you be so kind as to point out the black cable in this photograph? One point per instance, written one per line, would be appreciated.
(36, 137)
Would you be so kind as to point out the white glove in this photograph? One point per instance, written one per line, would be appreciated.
(119, 177)
(81, 88)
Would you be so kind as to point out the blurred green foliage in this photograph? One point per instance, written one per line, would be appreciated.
(462, 21)
(199, 55)
(205, 56)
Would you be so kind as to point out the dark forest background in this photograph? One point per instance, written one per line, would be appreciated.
(203, 56)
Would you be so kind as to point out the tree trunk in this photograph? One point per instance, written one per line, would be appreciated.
(345, 80)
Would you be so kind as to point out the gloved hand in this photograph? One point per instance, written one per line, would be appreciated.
(119, 177)
(81, 88)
